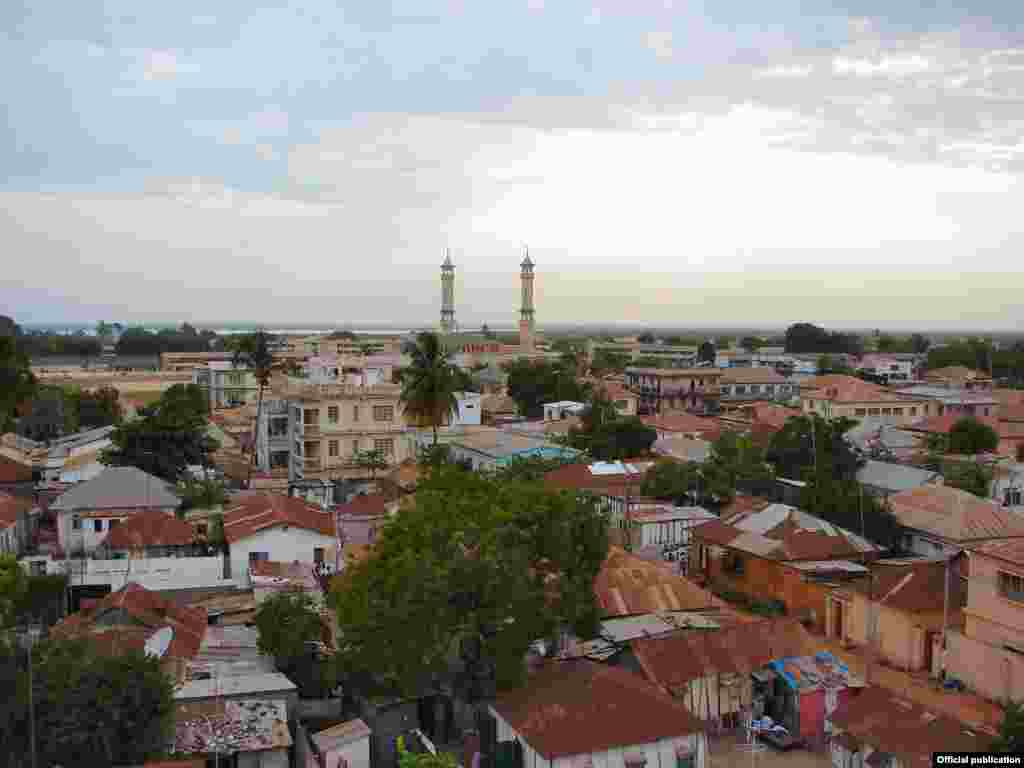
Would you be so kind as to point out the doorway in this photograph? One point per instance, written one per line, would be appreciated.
(837, 620)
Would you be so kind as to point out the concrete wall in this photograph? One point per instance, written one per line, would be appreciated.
(990, 671)
(280, 545)
(155, 573)
(991, 617)
(271, 758)
(87, 537)
(659, 753)
(355, 755)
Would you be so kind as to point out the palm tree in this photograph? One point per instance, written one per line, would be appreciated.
(253, 352)
(429, 383)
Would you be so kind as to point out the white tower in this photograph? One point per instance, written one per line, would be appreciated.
(447, 294)
(526, 319)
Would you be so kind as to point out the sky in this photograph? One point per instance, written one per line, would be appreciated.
(669, 162)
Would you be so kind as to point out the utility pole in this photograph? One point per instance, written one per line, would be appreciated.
(945, 611)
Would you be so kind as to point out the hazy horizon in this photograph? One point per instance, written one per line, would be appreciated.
(668, 163)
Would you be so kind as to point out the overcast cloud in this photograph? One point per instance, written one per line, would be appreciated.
(667, 162)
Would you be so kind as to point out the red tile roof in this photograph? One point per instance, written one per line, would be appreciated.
(578, 707)
(674, 660)
(761, 374)
(1008, 550)
(371, 505)
(684, 422)
(774, 416)
(954, 515)
(627, 585)
(924, 593)
(11, 509)
(903, 728)
(150, 611)
(849, 389)
(150, 528)
(260, 511)
(579, 477)
(957, 374)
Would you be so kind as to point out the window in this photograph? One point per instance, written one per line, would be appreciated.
(887, 411)
(114, 522)
(318, 554)
(755, 389)
(897, 411)
(741, 389)
(97, 525)
(311, 416)
(385, 446)
(383, 412)
(913, 411)
(279, 426)
(332, 447)
(355, 413)
(872, 411)
(1012, 497)
(76, 523)
(255, 556)
(355, 447)
(332, 414)
(861, 412)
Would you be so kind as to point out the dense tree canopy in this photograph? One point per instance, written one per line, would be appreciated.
(139, 341)
(753, 343)
(286, 621)
(1011, 729)
(706, 352)
(430, 382)
(533, 383)
(606, 361)
(606, 436)
(969, 476)
(17, 384)
(167, 437)
(968, 435)
(462, 572)
(810, 338)
(90, 708)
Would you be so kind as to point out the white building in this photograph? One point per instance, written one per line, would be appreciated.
(664, 528)
(86, 512)
(75, 457)
(468, 414)
(562, 409)
(271, 526)
(346, 744)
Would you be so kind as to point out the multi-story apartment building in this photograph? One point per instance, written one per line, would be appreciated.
(675, 356)
(331, 424)
(273, 437)
(329, 344)
(756, 383)
(836, 396)
(226, 386)
(663, 390)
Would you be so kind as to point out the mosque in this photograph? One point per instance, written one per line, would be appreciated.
(478, 348)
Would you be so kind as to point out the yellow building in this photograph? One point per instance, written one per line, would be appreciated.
(836, 396)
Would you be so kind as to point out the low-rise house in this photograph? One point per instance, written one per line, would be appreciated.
(879, 728)
(563, 409)
(755, 383)
(270, 578)
(949, 401)
(149, 533)
(490, 449)
(910, 603)
(346, 744)
(712, 673)
(496, 406)
(225, 385)
(940, 519)
(87, 511)
(614, 483)
(75, 453)
(836, 396)
(469, 410)
(360, 521)
(685, 449)
(253, 732)
(271, 526)
(578, 713)
(136, 618)
(886, 368)
(959, 376)
(988, 653)
(684, 425)
(779, 555)
(662, 531)
(881, 438)
(882, 478)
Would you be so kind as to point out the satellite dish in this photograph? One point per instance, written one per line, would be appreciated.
(159, 642)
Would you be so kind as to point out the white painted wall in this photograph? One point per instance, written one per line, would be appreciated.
(282, 545)
(660, 754)
(469, 409)
(87, 536)
(154, 573)
(356, 755)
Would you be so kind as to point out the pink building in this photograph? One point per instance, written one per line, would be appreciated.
(361, 519)
(346, 745)
(988, 655)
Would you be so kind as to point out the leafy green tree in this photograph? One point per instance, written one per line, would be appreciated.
(167, 437)
(530, 469)
(671, 481)
(1011, 730)
(201, 493)
(736, 462)
(969, 476)
(17, 384)
(372, 461)
(806, 338)
(286, 622)
(13, 587)
(968, 435)
(407, 759)
(753, 343)
(919, 344)
(478, 568)
(706, 353)
(606, 436)
(252, 352)
(533, 383)
(606, 361)
(91, 708)
(429, 384)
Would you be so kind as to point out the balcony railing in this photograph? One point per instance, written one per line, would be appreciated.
(311, 430)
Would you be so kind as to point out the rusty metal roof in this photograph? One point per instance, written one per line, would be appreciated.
(954, 515)
(628, 585)
(579, 707)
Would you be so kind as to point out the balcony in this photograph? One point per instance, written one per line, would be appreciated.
(311, 464)
(311, 430)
